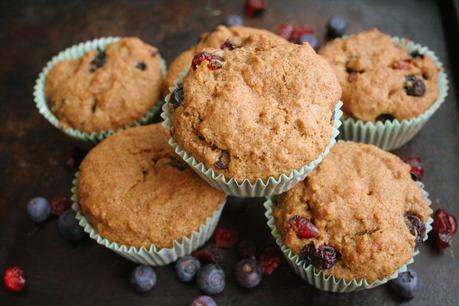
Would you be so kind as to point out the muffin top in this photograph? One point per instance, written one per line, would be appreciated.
(259, 109)
(105, 89)
(214, 39)
(135, 191)
(381, 80)
(358, 214)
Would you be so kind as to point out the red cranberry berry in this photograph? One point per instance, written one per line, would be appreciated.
(14, 279)
(225, 237)
(285, 30)
(417, 227)
(302, 227)
(254, 7)
(300, 31)
(214, 61)
(246, 249)
(177, 97)
(269, 260)
(414, 86)
(416, 171)
(227, 45)
(59, 205)
(210, 253)
(401, 64)
(444, 227)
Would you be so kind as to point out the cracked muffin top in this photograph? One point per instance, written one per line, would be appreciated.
(358, 215)
(105, 89)
(256, 109)
(214, 39)
(381, 80)
(135, 191)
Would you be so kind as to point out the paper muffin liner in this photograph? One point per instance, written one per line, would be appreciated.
(259, 188)
(152, 255)
(85, 140)
(321, 280)
(393, 134)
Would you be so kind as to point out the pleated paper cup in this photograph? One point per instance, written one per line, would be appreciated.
(151, 255)
(84, 140)
(318, 278)
(245, 188)
(392, 134)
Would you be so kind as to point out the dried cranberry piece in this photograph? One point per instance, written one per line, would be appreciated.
(307, 252)
(416, 171)
(401, 64)
(417, 227)
(246, 249)
(302, 227)
(269, 260)
(98, 61)
(285, 30)
(223, 160)
(414, 86)
(300, 31)
(225, 237)
(324, 257)
(444, 227)
(142, 66)
(254, 7)
(210, 253)
(227, 45)
(59, 205)
(177, 97)
(214, 61)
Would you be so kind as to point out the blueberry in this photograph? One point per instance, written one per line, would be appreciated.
(203, 300)
(417, 227)
(177, 97)
(248, 273)
(336, 26)
(68, 226)
(309, 38)
(385, 117)
(187, 267)
(211, 279)
(143, 278)
(406, 284)
(234, 20)
(38, 209)
(414, 86)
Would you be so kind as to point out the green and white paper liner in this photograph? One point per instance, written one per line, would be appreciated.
(245, 188)
(151, 256)
(393, 134)
(84, 140)
(318, 278)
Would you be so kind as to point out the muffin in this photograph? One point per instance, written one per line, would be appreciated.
(358, 216)
(214, 39)
(105, 89)
(255, 111)
(134, 191)
(383, 78)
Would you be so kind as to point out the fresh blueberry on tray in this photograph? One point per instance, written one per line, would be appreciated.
(143, 278)
(211, 279)
(187, 267)
(248, 273)
(68, 226)
(406, 284)
(38, 209)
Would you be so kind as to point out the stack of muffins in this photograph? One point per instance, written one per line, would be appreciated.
(247, 113)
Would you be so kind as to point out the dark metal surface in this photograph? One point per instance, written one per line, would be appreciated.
(33, 153)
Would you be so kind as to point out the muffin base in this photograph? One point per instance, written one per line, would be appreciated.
(318, 278)
(393, 134)
(151, 255)
(85, 140)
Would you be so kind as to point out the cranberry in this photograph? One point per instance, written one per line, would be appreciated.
(401, 64)
(307, 252)
(285, 30)
(223, 161)
(210, 253)
(177, 97)
(416, 171)
(14, 279)
(254, 7)
(59, 205)
(225, 237)
(214, 61)
(302, 227)
(444, 226)
(324, 257)
(300, 31)
(416, 226)
(414, 86)
(227, 45)
(269, 260)
(246, 249)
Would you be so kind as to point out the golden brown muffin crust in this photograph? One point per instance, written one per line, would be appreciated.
(357, 198)
(214, 40)
(264, 113)
(135, 191)
(124, 88)
(372, 71)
